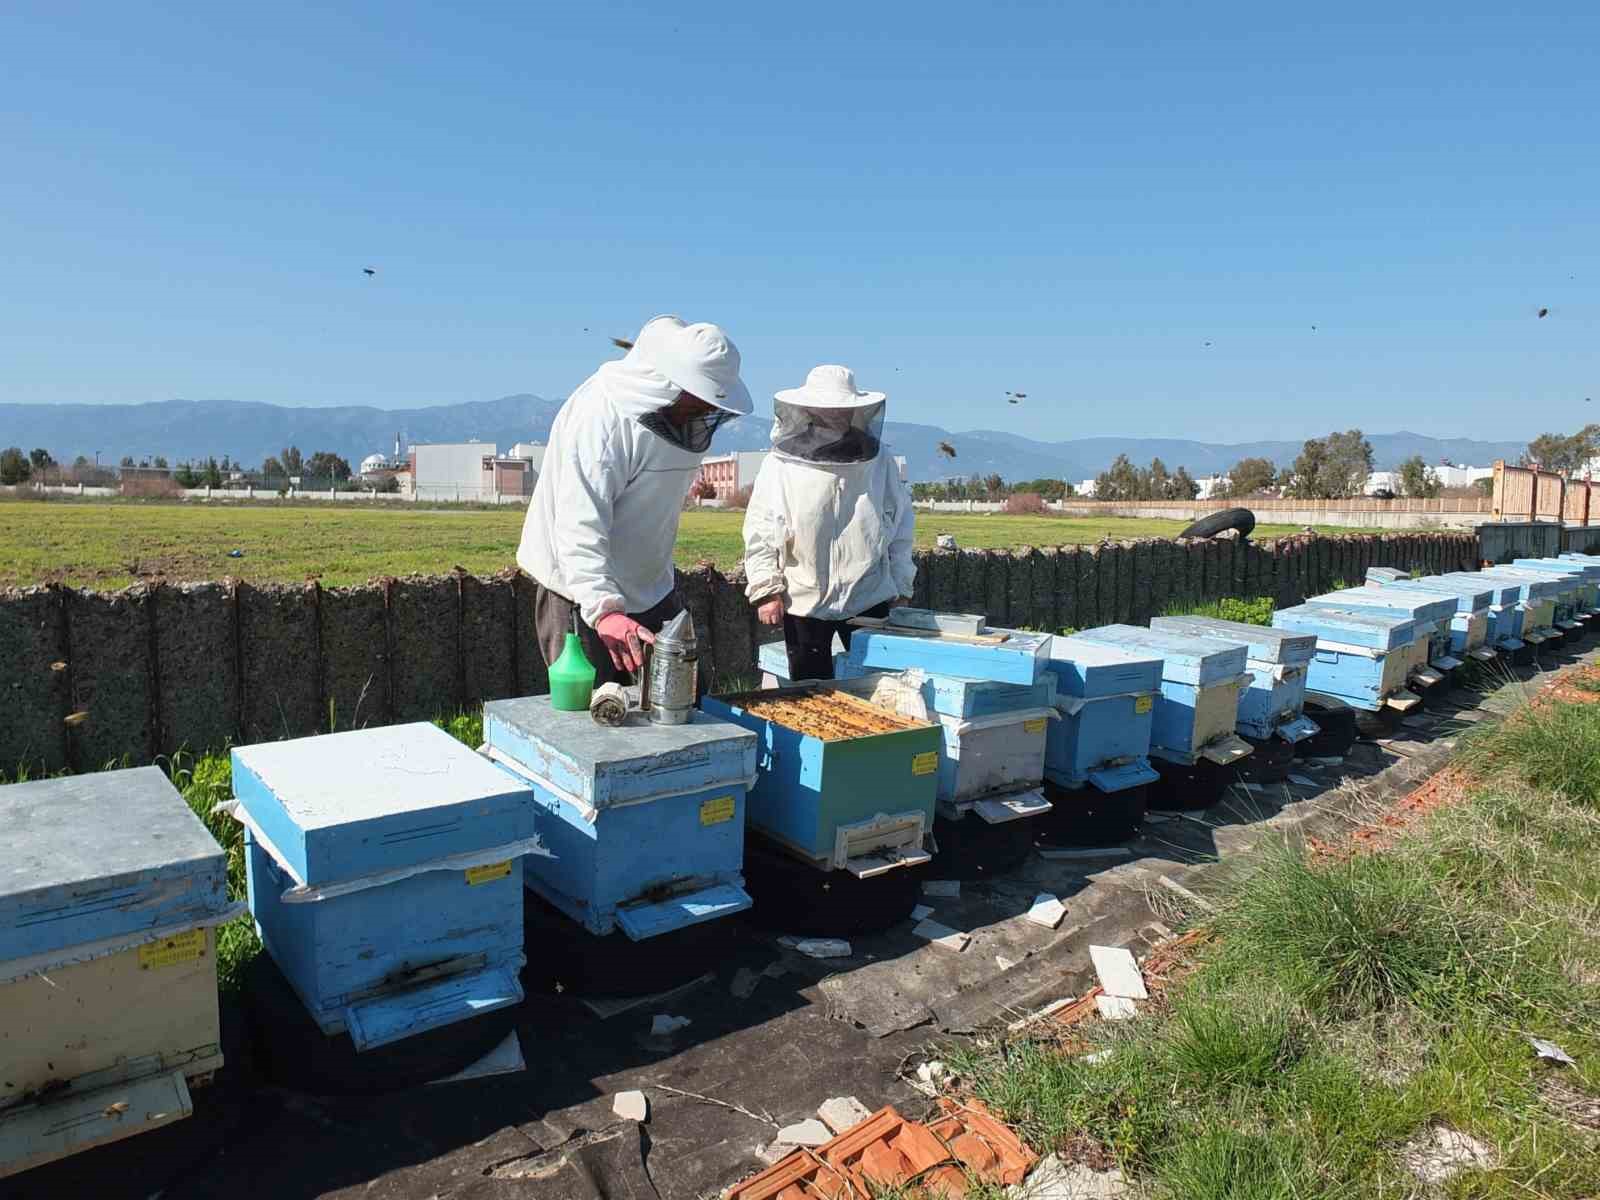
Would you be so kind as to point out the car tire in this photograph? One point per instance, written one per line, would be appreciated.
(1241, 519)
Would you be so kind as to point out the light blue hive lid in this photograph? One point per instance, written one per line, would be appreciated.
(94, 857)
(1084, 668)
(1368, 628)
(1501, 591)
(1186, 659)
(1417, 606)
(1278, 646)
(1470, 598)
(344, 805)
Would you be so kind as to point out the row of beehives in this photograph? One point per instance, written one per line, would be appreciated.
(1171, 714)
(386, 867)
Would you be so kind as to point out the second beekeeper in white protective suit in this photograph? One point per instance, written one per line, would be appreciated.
(828, 531)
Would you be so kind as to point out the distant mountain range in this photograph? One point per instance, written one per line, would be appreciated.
(183, 429)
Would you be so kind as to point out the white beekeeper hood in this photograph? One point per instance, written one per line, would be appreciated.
(829, 419)
(667, 358)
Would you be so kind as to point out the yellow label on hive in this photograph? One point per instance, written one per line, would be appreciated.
(926, 763)
(1034, 726)
(1144, 704)
(487, 873)
(169, 952)
(716, 810)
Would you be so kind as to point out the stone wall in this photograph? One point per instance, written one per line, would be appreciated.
(166, 667)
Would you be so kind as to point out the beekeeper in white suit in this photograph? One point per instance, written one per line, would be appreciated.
(622, 454)
(828, 531)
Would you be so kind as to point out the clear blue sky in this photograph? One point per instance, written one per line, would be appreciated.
(1063, 199)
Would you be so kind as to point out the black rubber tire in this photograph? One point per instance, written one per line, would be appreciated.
(564, 958)
(1336, 725)
(971, 848)
(1269, 761)
(292, 1052)
(1241, 519)
(793, 897)
(1188, 789)
(1087, 816)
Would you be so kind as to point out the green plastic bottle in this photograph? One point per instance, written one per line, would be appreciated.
(571, 678)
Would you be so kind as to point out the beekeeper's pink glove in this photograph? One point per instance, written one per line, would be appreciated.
(624, 640)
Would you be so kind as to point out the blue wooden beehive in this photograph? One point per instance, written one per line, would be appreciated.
(999, 655)
(1469, 624)
(1363, 655)
(959, 696)
(1105, 698)
(110, 892)
(1201, 680)
(645, 821)
(1579, 596)
(1274, 702)
(860, 801)
(1538, 593)
(385, 871)
(1512, 614)
(1432, 614)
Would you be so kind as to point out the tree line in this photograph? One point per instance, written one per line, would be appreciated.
(277, 470)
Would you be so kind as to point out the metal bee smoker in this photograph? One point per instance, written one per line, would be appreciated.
(669, 676)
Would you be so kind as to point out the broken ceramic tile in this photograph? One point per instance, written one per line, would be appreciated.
(1119, 973)
(842, 1112)
(942, 935)
(810, 1132)
(1046, 911)
(631, 1106)
(1116, 1008)
(818, 947)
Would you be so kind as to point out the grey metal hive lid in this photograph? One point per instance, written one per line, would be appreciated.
(84, 828)
(588, 745)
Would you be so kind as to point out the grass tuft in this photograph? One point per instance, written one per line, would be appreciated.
(1254, 610)
(1345, 935)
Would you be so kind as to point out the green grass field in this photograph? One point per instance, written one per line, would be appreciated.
(112, 543)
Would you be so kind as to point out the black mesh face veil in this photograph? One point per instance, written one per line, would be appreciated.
(827, 435)
(694, 435)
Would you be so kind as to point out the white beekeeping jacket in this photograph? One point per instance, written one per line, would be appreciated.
(604, 515)
(834, 537)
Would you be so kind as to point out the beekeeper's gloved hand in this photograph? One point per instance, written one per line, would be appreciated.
(771, 611)
(624, 640)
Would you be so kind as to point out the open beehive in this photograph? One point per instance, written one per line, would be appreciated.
(841, 782)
